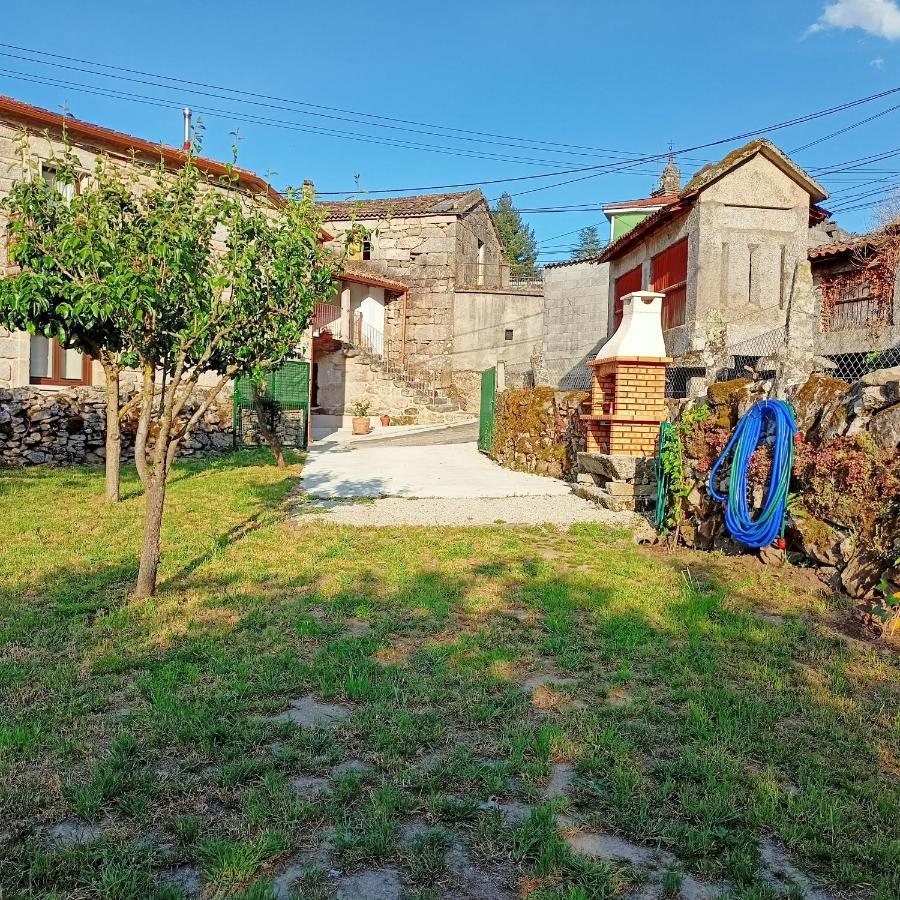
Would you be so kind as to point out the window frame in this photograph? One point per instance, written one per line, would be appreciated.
(54, 380)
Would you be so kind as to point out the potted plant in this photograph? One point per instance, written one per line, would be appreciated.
(361, 423)
(385, 420)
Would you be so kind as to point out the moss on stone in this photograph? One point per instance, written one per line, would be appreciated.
(724, 398)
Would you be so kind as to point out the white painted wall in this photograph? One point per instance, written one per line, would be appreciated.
(369, 301)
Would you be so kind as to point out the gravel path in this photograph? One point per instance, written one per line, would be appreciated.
(562, 510)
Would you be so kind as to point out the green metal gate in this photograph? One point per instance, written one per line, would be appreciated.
(486, 414)
(285, 394)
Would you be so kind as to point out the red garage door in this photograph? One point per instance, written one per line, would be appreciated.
(668, 275)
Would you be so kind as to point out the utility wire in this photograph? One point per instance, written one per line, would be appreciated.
(303, 107)
(276, 123)
(620, 165)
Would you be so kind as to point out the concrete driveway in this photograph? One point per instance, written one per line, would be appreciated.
(431, 476)
(441, 462)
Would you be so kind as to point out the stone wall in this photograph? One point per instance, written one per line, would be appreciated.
(576, 319)
(473, 226)
(747, 235)
(419, 251)
(432, 254)
(491, 326)
(68, 427)
(845, 518)
(19, 152)
(539, 430)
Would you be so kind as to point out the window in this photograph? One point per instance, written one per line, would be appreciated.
(51, 177)
(367, 248)
(508, 334)
(669, 277)
(628, 283)
(479, 272)
(53, 364)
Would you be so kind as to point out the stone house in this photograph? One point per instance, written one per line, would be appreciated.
(38, 133)
(51, 398)
(726, 252)
(733, 252)
(857, 285)
(461, 312)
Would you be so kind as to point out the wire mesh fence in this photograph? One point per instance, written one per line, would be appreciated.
(579, 379)
(853, 366)
(757, 358)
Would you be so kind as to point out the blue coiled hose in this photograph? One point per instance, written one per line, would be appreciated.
(768, 526)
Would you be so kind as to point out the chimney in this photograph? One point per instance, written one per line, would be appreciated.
(186, 146)
(308, 189)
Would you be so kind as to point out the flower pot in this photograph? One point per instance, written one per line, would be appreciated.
(361, 425)
(385, 421)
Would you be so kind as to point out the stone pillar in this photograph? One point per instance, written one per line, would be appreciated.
(795, 359)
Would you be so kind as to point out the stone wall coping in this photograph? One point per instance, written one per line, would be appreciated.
(535, 291)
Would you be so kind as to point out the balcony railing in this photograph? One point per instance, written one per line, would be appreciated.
(498, 275)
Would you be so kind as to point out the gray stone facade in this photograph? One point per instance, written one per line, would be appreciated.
(446, 249)
(576, 319)
(747, 235)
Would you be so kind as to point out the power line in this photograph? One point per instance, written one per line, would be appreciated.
(828, 137)
(304, 107)
(619, 165)
(259, 120)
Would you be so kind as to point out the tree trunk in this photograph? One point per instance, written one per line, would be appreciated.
(113, 433)
(143, 429)
(269, 436)
(150, 550)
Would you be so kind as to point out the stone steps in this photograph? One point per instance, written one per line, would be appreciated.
(416, 400)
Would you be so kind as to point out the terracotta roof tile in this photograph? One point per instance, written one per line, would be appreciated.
(363, 272)
(837, 247)
(658, 200)
(401, 207)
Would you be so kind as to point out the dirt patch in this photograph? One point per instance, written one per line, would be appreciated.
(307, 712)
(562, 777)
(185, 879)
(613, 847)
(375, 884)
(310, 785)
(73, 833)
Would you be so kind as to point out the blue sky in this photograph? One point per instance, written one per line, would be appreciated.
(594, 76)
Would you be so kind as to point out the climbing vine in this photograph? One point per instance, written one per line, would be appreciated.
(672, 484)
(877, 275)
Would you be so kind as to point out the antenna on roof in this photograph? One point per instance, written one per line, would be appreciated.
(186, 146)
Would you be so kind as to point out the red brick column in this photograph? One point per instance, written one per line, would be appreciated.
(627, 405)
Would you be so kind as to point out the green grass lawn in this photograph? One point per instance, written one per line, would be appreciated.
(704, 704)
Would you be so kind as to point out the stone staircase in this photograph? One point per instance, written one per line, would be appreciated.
(408, 399)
